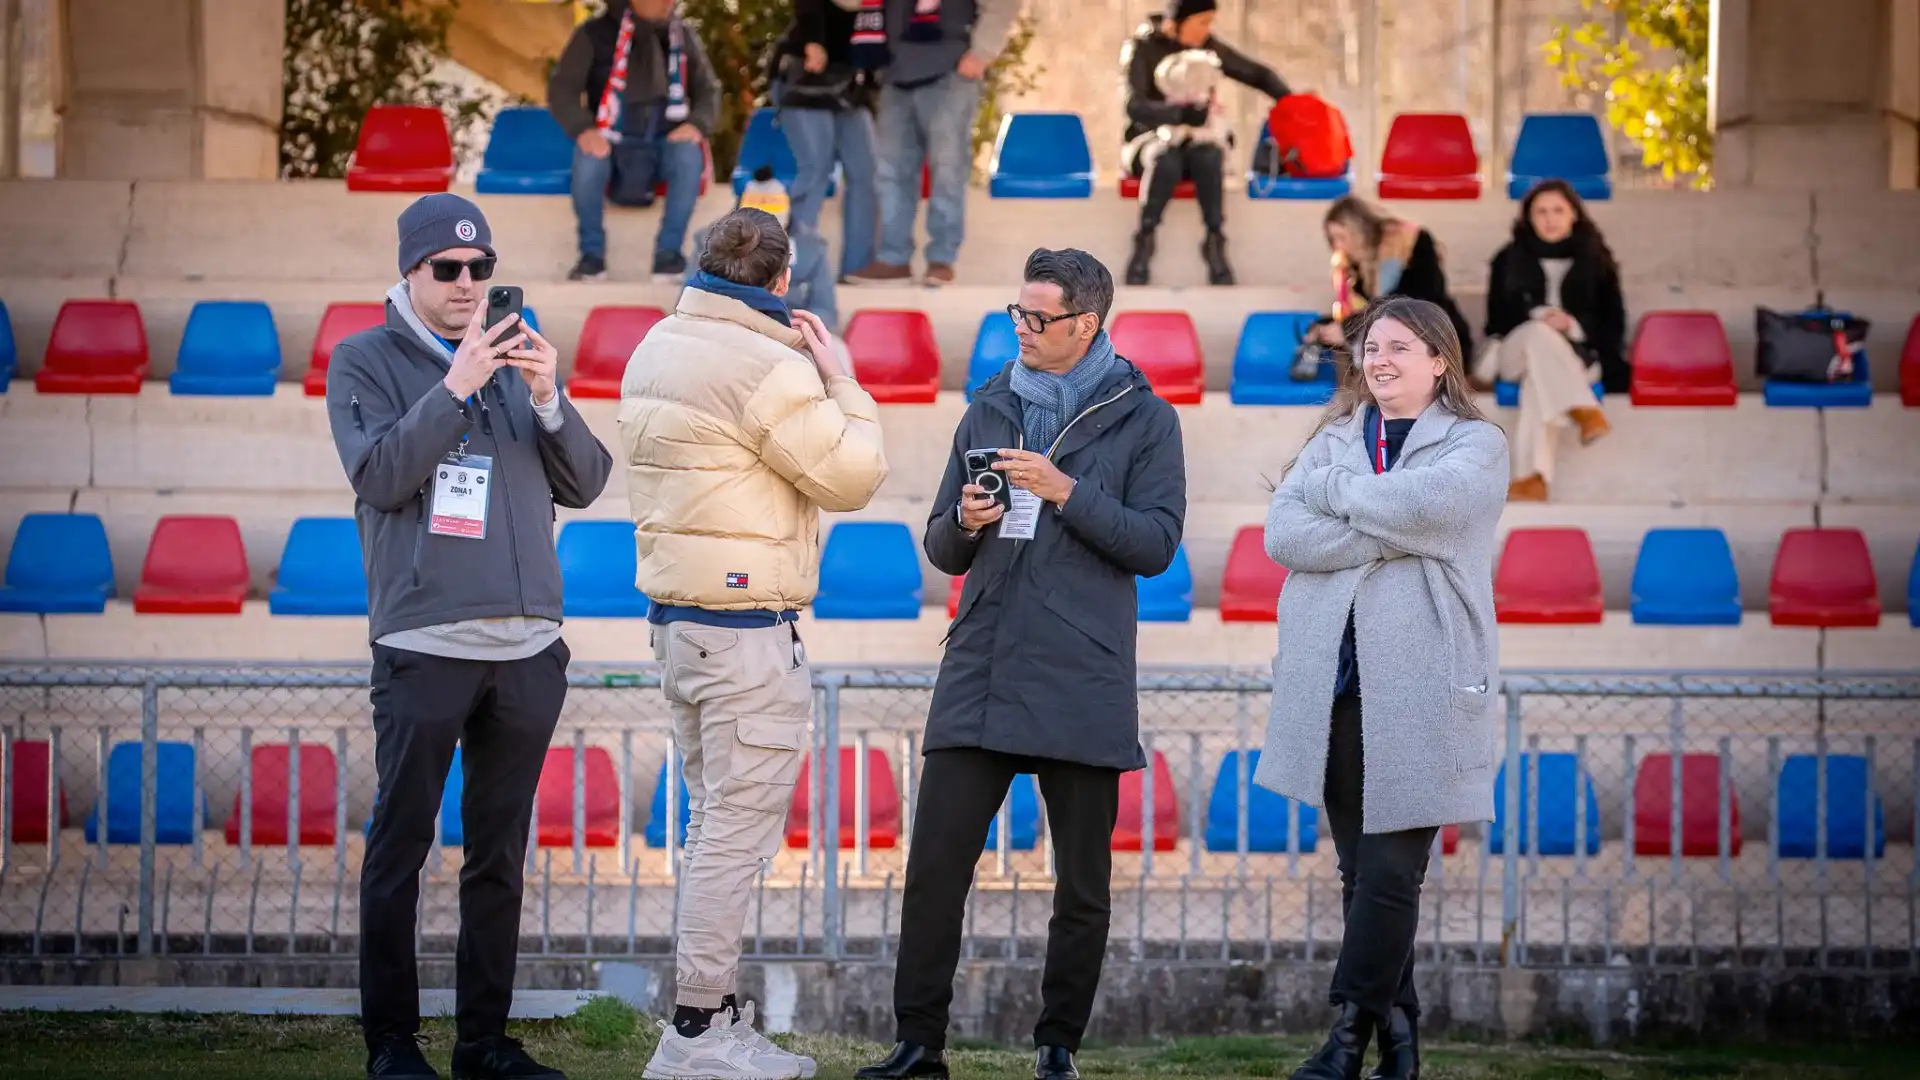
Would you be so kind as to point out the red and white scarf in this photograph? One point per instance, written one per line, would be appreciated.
(613, 99)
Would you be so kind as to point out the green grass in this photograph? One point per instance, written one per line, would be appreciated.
(605, 1040)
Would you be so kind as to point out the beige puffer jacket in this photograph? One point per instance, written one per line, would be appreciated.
(733, 447)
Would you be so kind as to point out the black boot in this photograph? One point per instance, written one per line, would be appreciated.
(1214, 250)
(1340, 1058)
(1399, 1047)
(1054, 1063)
(1140, 263)
(398, 1057)
(907, 1060)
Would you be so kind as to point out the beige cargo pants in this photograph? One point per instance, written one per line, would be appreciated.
(740, 701)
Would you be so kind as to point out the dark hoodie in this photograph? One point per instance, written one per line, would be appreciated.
(1147, 107)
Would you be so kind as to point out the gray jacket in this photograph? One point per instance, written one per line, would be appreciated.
(1410, 553)
(393, 421)
(976, 26)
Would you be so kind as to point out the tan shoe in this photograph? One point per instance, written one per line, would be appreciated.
(879, 273)
(938, 275)
(1528, 489)
(1593, 424)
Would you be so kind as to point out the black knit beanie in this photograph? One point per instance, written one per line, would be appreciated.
(1179, 11)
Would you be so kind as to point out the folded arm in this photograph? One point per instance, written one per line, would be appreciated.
(1299, 538)
(1432, 510)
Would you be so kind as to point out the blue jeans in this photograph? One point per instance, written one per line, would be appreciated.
(931, 124)
(642, 163)
(819, 138)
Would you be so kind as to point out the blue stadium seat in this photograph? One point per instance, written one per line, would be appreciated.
(656, 830)
(1560, 146)
(59, 565)
(871, 570)
(597, 571)
(1685, 577)
(1263, 362)
(9, 357)
(1168, 595)
(173, 821)
(1262, 186)
(453, 832)
(1913, 589)
(1041, 156)
(229, 348)
(527, 154)
(1856, 393)
(1847, 785)
(532, 318)
(1024, 795)
(1269, 815)
(1507, 394)
(321, 572)
(1558, 822)
(993, 347)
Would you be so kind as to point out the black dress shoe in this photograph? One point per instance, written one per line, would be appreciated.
(1399, 1047)
(907, 1060)
(497, 1057)
(398, 1057)
(1054, 1063)
(1341, 1056)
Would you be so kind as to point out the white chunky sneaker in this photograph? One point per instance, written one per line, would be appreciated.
(770, 1052)
(715, 1055)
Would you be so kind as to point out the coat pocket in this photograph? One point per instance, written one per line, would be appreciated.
(766, 759)
(1070, 613)
(1474, 730)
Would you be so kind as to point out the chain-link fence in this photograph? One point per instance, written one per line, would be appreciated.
(1737, 820)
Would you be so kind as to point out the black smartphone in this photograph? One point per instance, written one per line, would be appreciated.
(502, 301)
(980, 471)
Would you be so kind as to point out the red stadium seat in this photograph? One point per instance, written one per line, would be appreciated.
(1130, 188)
(895, 355)
(1449, 839)
(1164, 345)
(195, 566)
(954, 590)
(402, 148)
(1250, 587)
(340, 321)
(883, 802)
(1128, 828)
(1823, 577)
(97, 347)
(1547, 576)
(319, 796)
(1682, 358)
(1699, 807)
(1910, 367)
(1429, 156)
(607, 342)
(554, 802)
(31, 761)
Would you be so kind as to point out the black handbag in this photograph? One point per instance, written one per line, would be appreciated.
(831, 88)
(1812, 346)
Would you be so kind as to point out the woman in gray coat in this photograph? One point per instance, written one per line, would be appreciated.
(1387, 522)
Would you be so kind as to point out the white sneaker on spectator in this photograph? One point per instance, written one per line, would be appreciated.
(769, 1051)
(716, 1054)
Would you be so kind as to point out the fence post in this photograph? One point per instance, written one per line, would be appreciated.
(1510, 838)
(149, 806)
(827, 825)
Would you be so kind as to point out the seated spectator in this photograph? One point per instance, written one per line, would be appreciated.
(1555, 323)
(824, 78)
(940, 51)
(1376, 256)
(634, 90)
(1182, 135)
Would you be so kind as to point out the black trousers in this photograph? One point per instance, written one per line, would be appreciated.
(503, 713)
(1380, 879)
(1202, 163)
(960, 792)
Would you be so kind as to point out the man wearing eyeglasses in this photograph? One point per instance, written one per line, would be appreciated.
(458, 444)
(1038, 675)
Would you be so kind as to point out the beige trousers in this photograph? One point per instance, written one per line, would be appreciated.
(1553, 380)
(740, 701)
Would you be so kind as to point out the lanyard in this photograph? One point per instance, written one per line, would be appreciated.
(1379, 441)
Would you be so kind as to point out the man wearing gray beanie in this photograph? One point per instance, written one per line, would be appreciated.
(458, 444)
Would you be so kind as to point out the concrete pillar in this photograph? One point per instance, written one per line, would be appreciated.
(1807, 96)
(172, 89)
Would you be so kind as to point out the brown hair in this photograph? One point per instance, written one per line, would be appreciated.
(747, 247)
(1381, 236)
(1429, 323)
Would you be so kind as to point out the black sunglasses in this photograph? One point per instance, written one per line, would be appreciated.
(1038, 321)
(448, 270)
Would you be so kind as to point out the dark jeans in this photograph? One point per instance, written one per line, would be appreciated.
(1380, 878)
(1202, 163)
(503, 713)
(960, 792)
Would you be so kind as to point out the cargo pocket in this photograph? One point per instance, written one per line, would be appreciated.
(690, 648)
(766, 759)
(1473, 730)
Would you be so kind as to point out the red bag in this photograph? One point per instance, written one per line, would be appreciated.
(1309, 137)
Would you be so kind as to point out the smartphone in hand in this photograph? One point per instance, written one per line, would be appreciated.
(502, 301)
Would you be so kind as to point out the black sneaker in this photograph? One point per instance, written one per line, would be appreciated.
(589, 268)
(498, 1057)
(669, 264)
(398, 1057)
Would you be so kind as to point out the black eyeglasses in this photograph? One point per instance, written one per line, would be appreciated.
(1038, 321)
(448, 270)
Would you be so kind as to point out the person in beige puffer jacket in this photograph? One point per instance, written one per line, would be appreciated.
(740, 422)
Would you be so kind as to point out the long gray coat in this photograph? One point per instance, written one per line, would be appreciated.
(1410, 552)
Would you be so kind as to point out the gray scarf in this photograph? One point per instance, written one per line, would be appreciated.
(1049, 402)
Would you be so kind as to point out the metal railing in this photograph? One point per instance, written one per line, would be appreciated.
(219, 810)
